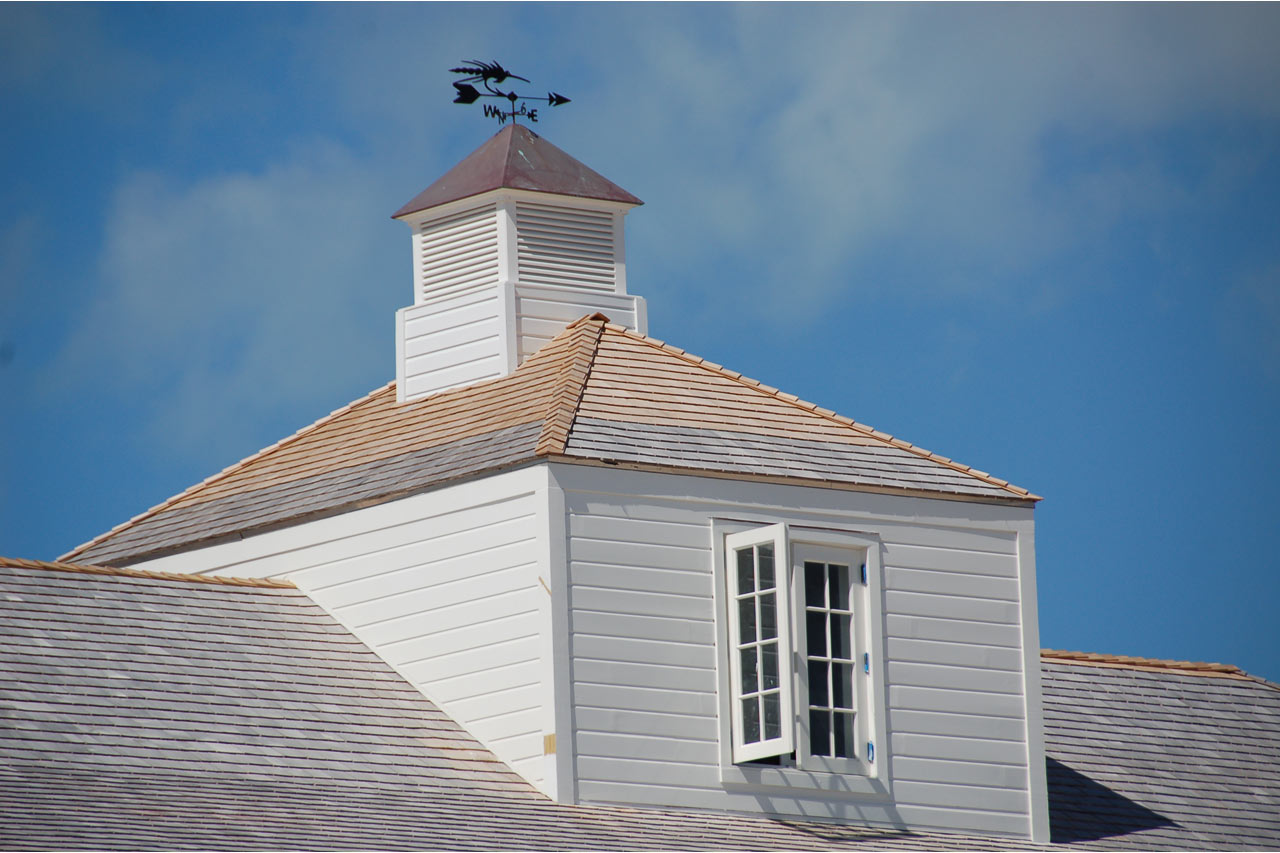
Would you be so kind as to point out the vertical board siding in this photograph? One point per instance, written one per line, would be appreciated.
(566, 246)
(458, 253)
(644, 658)
(452, 342)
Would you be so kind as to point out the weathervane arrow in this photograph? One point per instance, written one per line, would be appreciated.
(491, 75)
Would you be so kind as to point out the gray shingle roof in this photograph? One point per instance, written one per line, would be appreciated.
(151, 713)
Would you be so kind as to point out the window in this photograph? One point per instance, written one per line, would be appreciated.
(802, 648)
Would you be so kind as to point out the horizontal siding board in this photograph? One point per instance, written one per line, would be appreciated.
(958, 772)
(951, 630)
(648, 725)
(955, 677)
(456, 631)
(957, 725)
(671, 581)
(632, 650)
(678, 751)
(951, 607)
(653, 677)
(642, 603)
(642, 627)
(954, 654)
(943, 582)
(424, 601)
(643, 554)
(624, 699)
(958, 701)
(985, 750)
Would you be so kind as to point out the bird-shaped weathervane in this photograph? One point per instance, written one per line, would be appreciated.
(491, 75)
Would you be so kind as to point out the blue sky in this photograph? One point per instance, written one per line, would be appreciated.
(1042, 240)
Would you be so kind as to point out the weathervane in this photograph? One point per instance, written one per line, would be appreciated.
(490, 75)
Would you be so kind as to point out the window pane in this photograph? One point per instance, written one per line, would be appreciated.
(746, 571)
(818, 683)
(845, 745)
(839, 587)
(840, 637)
(750, 720)
(769, 659)
(747, 620)
(815, 581)
(750, 681)
(772, 716)
(817, 634)
(842, 685)
(819, 732)
(768, 616)
(765, 553)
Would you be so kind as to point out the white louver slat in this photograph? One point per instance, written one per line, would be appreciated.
(459, 253)
(563, 246)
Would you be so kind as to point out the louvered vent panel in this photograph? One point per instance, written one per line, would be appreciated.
(559, 245)
(459, 253)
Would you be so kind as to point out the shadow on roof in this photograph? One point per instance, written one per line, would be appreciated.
(1081, 809)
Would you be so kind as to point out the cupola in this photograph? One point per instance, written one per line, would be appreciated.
(509, 246)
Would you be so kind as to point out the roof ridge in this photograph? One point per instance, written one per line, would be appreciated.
(84, 568)
(1186, 667)
(828, 414)
(562, 408)
(235, 466)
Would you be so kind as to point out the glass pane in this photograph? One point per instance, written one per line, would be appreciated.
(817, 634)
(765, 553)
(842, 685)
(845, 745)
(772, 716)
(840, 637)
(818, 683)
(750, 681)
(819, 732)
(747, 620)
(750, 720)
(839, 587)
(746, 571)
(768, 616)
(815, 580)
(769, 660)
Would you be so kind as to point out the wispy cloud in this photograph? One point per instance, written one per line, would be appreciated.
(238, 295)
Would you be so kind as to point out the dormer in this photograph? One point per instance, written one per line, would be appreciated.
(637, 577)
(509, 247)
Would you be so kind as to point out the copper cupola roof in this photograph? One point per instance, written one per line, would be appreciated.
(517, 158)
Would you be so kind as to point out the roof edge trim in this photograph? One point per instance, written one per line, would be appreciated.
(84, 568)
(1181, 667)
(235, 466)
(1017, 492)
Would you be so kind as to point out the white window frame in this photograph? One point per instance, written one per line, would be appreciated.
(797, 768)
(774, 535)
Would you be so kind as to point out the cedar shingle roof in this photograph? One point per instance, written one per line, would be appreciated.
(597, 392)
(153, 711)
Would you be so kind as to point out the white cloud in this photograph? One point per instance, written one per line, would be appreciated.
(239, 295)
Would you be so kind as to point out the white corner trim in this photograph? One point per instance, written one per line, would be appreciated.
(1037, 781)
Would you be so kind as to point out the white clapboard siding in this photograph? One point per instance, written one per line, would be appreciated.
(566, 246)
(543, 310)
(443, 586)
(457, 253)
(643, 643)
(450, 342)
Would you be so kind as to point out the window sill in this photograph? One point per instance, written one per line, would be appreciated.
(795, 780)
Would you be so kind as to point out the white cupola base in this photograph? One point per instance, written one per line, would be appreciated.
(509, 247)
